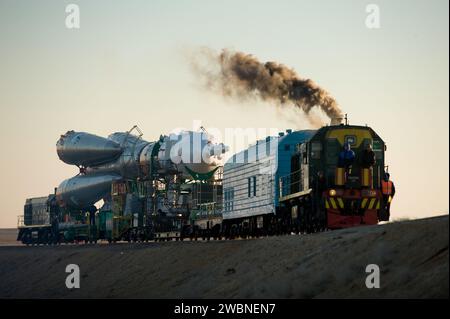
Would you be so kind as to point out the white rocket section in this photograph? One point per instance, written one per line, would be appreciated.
(126, 156)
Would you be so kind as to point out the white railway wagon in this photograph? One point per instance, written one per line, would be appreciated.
(250, 178)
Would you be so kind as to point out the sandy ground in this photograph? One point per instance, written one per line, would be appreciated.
(8, 237)
(412, 256)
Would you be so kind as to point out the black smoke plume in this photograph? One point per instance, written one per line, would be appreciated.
(242, 75)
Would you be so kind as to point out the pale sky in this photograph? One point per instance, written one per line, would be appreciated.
(127, 65)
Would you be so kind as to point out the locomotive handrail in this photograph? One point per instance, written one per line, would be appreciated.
(294, 195)
(20, 221)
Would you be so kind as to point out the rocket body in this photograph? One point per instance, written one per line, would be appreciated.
(124, 156)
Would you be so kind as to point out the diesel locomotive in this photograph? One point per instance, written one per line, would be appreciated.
(302, 187)
(322, 193)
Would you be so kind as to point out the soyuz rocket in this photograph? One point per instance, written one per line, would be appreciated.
(124, 156)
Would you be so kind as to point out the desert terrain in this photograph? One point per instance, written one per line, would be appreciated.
(412, 257)
(8, 237)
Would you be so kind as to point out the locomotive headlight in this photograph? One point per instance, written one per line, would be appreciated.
(332, 192)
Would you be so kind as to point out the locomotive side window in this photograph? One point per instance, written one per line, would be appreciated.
(332, 151)
(378, 149)
(377, 145)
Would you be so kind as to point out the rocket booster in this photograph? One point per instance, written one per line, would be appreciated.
(83, 191)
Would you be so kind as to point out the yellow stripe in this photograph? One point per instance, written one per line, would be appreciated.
(333, 203)
(340, 133)
(365, 177)
(372, 201)
(326, 204)
(339, 176)
(378, 204)
(363, 204)
(341, 203)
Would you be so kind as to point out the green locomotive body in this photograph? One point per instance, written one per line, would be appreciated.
(320, 193)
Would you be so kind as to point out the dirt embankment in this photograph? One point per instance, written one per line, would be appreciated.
(412, 257)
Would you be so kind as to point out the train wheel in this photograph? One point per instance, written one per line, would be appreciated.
(27, 238)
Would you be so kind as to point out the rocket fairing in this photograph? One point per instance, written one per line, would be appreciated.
(126, 156)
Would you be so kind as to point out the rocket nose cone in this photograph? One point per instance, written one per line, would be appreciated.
(84, 149)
